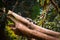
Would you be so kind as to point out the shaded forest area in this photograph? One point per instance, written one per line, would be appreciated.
(44, 13)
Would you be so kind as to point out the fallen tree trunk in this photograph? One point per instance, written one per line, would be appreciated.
(31, 33)
(33, 26)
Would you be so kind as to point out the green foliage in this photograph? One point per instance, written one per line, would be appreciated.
(51, 20)
(35, 11)
(10, 33)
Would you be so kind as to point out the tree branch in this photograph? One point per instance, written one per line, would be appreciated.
(35, 31)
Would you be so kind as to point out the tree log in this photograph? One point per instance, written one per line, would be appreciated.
(33, 26)
(31, 33)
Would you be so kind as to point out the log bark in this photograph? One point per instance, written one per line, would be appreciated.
(31, 33)
(33, 26)
(35, 32)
